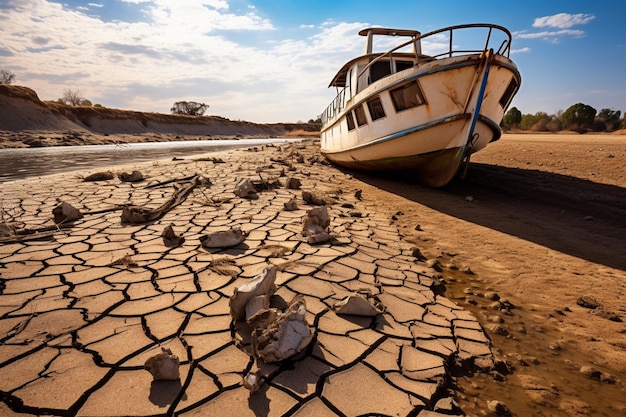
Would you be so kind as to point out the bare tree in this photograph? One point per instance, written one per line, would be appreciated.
(71, 97)
(6, 77)
(189, 108)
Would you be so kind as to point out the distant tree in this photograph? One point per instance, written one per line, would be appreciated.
(512, 118)
(190, 108)
(85, 102)
(71, 97)
(6, 77)
(610, 119)
(537, 122)
(578, 117)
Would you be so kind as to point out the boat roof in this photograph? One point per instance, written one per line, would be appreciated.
(389, 32)
(339, 80)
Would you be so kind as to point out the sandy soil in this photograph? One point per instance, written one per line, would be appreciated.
(541, 221)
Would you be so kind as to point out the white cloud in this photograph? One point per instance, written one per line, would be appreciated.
(563, 20)
(549, 34)
(521, 50)
(184, 51)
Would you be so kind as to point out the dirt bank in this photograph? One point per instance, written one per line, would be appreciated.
(56, 124)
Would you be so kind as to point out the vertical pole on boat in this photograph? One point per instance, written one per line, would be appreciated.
(479, 103)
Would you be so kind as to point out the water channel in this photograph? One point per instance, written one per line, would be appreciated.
(21, 163)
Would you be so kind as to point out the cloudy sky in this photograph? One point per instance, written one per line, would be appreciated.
(271, 60)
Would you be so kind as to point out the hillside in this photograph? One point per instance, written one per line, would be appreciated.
(21, 111)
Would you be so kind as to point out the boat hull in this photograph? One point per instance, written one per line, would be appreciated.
(461, 115)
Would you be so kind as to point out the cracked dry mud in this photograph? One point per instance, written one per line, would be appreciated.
(78, 324)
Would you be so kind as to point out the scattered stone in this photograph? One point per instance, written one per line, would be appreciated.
(447, 406)
(606, 314)
(135, 176)
(261, 286)
(587, 301)
(598, 375)
(245, 189)
(6, 230)
(253, 381)
(223, 239)
(315, 225)
(293, 183)
(163, 366)
(126, 261)
(434, 264)
(287, 334)
(316, 199)
(291, 205)
(358, 194)
(417, 254)
(498, 408)
(170, 238)
(100, 176)
(359, 304)
(65, 213)
(492, 295)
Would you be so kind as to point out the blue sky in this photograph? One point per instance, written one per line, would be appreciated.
(271, 60)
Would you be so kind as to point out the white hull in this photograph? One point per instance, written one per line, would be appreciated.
(462, 100)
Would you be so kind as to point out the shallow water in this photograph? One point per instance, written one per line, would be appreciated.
(20, 163)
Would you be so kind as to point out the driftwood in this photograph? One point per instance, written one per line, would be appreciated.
(137, 215)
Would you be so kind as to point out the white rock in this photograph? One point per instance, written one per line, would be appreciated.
(358, 305)
(285, 336)
(223, 239)
(261, 285)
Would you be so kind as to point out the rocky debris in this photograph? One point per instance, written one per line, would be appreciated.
(245, 189)
(359, 304)
(498, 408)
(170, 238)
(293, 183)
(126, 261)
(283, 334)
(252, 381)
(594, 373)
(163, 366)
(135, 176)
(315, 225)
(65, 213)
(291, 205)
(6, 230)
(587, 301)
(248, 299)
(316, 199)
(223, 239)
(100, 176)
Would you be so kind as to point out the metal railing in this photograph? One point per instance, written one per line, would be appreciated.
(504, 49)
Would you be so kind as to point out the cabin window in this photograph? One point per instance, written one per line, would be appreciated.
(506, 98)
(350, 121)
(378, 70)
(359, 113)
(407, 96)
(376, 109)
(402, 65)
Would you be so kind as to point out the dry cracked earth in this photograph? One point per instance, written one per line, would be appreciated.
(84, 304)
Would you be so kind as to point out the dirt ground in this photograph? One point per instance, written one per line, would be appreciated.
(533, 242)
(540, 221)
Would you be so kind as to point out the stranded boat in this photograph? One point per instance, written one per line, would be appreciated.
(424, 113)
